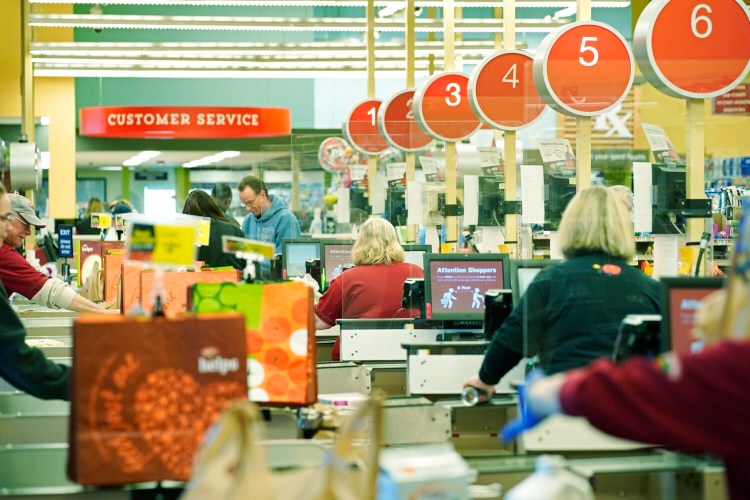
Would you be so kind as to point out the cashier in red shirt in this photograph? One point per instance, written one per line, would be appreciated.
(371, 289)
(20, 277)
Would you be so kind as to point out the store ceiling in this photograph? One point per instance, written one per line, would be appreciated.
(171, 159)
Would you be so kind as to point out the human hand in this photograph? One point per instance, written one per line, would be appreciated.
(538, 398)
(485, 391)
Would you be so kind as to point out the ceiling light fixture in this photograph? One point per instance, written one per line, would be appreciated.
(141, 157)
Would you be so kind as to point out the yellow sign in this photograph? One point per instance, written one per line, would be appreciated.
(162, 244)
(232, 244)
(204, 231)
(101, 220)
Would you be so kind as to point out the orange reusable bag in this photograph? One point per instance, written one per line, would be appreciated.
(145, 391)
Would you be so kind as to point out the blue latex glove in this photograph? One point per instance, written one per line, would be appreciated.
(526, 419)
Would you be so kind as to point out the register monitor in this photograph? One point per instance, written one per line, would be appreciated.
(455, 284)
(523, 272)
(680, 300)
(336, 257)
(414, 254)
(295, 251)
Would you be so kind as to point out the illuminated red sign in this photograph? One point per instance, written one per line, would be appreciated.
(183, 122)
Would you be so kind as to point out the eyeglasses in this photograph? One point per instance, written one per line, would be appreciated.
(26, 225)
(7, 218)
(250, 203)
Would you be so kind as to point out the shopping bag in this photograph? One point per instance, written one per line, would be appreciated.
(145, 390)
(232, 463)
(280, 337)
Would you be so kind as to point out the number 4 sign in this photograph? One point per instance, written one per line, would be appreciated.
(360, 128)
(584, 69)
(693, 48)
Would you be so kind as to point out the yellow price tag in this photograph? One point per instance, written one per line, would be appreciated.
(204, 231)
(232, 244)
(101, 220)
(174, 245)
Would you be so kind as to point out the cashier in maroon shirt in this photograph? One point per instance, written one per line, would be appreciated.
(371, 289)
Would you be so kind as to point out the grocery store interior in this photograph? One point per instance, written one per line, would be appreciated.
(374, 249)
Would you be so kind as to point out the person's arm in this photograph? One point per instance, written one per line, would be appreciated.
(648, 401)
(329, 308)
(26, 368)
(287, 227)
(57, 294)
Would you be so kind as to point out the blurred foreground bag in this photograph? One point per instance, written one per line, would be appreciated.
(145, 391)
(280, 336)
(232, 464)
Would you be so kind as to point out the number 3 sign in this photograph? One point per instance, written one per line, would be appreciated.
(584, 69)
(441, 108)
(693, 48)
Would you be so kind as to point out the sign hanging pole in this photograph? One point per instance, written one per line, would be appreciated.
(372, 160)
(508, 14)
(411, 230)
(451, 222)
(583, 123)
(695, 161)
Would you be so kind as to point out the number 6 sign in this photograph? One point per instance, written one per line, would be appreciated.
(693, 48)
(441, 108)
(360, 128)
(584, 69)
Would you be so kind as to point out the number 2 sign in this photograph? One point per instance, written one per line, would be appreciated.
(584, 69)
(360, 128)
(693, 48)
(442, 110)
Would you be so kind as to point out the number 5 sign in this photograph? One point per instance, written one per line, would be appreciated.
(360, 128)
(584, 69)
(693, 48)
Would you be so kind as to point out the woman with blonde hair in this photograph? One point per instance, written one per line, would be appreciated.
(571, 312)
(371, 289)
(83, 226)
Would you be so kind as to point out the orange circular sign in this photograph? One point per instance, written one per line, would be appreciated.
(397, 125)
(584, 69)
(693, 48)
(360, 128)
(441, 108)
(502, 91)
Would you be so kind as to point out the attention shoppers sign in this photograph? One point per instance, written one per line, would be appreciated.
(184, 122)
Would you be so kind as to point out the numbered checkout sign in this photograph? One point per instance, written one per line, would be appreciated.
(360, 128)
(502, 91)
(396, 123)
(441, 108)
(693, 48)
(584, 69)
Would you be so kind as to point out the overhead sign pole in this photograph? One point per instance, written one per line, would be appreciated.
(451, 221)
(372, 160)
(583, 123)
(409, 38)
(508, 15)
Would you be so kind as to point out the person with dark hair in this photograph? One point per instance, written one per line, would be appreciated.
(202, 204)
(26, 368)
(83, 226)
(222, 193)
(269, 219)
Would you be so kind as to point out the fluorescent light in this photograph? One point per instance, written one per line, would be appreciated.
(111, 168)
(235, 23)
(215, 158)
(341, 3)
(141, 157)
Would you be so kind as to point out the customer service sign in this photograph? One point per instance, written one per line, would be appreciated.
(184, 122)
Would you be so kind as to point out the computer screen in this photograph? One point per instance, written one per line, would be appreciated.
(414, 254)
(294, 254)
(523, 272)
(336, 257)
(455, 284)
(680, 301)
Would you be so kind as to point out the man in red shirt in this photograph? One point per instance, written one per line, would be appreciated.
(371, 289)
(20, 277)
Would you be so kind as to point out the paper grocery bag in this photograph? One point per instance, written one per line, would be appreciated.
(145, 390)
(280, 330)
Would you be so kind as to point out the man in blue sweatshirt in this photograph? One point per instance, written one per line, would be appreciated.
(269, 219)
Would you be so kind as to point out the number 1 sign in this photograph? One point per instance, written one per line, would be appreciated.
(584, 69)
(360, 128)
(693, 48)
